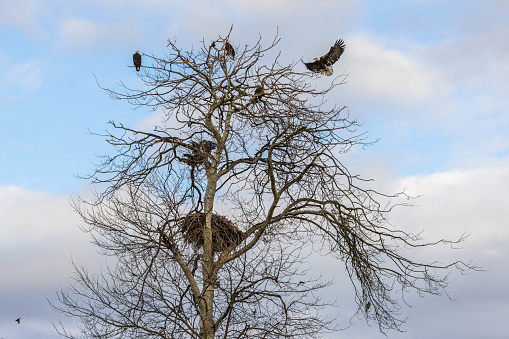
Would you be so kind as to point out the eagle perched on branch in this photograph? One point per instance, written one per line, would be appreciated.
(258, 94)
(137, 60)
(323, 65)
(229, 49)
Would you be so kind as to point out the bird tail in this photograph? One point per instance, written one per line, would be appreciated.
(328, 71)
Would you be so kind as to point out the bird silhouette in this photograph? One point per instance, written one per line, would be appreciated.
(137, 60)
(368, 305)
(229, 49)
(18, 320)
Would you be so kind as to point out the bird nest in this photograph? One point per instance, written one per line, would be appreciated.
(200, 152)
(224, 232)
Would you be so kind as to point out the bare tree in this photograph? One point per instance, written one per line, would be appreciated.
(209, 214)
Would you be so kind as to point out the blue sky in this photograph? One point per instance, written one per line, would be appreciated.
(428, 78)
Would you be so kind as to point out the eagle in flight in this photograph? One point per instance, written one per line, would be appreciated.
(323, 65)
(137, 60)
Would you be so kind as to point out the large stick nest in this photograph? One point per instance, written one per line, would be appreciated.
(224, 232)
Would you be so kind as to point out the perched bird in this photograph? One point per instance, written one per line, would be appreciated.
(368, 305)
(18, 320)
(323, 65)
(229, 49)
(258, 94)
(137, 60)
(163, 238)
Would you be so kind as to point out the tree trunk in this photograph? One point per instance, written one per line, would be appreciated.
(209, 272)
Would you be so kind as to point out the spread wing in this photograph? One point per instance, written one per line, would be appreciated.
(314, 66)
(334, 53)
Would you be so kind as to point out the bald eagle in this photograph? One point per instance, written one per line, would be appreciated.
(324, 64)
(137, 60)
(258, 94)
(229, 49)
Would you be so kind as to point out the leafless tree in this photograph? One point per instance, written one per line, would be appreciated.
(209, 214)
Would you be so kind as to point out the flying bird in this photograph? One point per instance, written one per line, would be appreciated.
(323, 65)
(18, 320)
(137, 60)
(229, 49)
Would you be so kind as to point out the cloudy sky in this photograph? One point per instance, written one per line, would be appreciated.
(429, 78)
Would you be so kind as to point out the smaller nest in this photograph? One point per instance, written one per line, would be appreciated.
(201, 151)
(224, 233)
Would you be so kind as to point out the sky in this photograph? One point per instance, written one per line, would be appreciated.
(429, 79)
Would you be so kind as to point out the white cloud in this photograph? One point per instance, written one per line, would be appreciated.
(147, 124)
(39, 234)
(470, 201)
(473, 201)
(24, 15)
(285, 8)
(19, 79)
(39, 238)
(454, 202)
(80, 34)
(477, 61)
(158, 118)
(388, 75)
